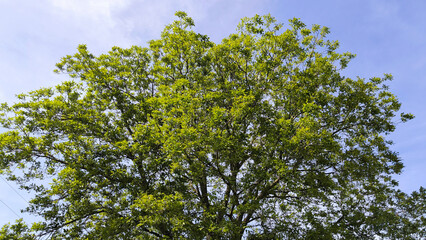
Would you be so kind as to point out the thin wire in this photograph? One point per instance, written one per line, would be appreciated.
(10, 208)
(15, 167)
(14, 189)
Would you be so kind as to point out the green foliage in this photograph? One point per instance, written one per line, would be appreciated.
(17, 231)
(259, 137)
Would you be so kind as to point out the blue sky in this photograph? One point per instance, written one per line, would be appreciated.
(388, 36)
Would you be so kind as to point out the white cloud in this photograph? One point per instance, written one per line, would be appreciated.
(97, 10)
(94, 22)
(217, 18)
(94, 15)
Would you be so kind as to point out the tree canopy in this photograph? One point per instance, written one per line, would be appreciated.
(257, 137)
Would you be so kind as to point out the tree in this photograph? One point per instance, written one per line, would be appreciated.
(257, 137)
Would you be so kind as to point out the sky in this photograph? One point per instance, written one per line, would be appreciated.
(388, 36)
